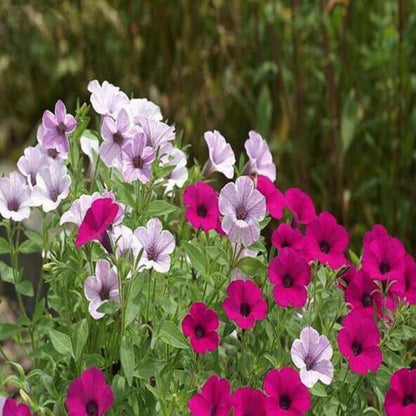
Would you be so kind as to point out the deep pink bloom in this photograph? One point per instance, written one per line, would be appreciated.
(275, 201)
(288, 395)
(359, 342)
(96, 222)
(301, 206)
(201, 325)
(201, 203)
(290, 275)
(401, 396)
(89, 395)
(214, 398)
(384, 258)
(286, 236)
(326, 241)
(377, 231)
(249, 402)
(12, 408)
(244, 303)
(410, 280)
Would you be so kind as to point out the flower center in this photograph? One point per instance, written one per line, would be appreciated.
(104, 293)
(53, 194)
(287, 280)
(214, 410)
(53, 153)
(13, 205)
(137, 162)
(245, 309)
(309, 361)
(284, 402)
(324, 246)
(284, 244)
(201, 211)
(118, 138)
(152, 253)
(61, 129)
(91, 408)
(356, 348)
(241, 212)
(384, 267)
(367, 300)
(199, 332)
(408, 399)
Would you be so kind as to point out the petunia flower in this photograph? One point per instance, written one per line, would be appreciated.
(157, 244)
(359, 343)
(137, 159)
(15, 197)
(410, 280)
(312, 354)
(376, 232)
(52, 186)
(249, 402)
(107, 99)
(158, 134)
(243, 208)
(260, 157)
(201, 325)
(221, 155)
(101, 288)
(89, 395)
(275, 201)
(326, 241)
(301, 206)
(214, 398)
(30, 163)
(56, 128)
(287, 394)
(125, 242)
(244, 303)
(290, 274)
(286, 236)
(201, 203)
(401, 396)
(12, 408)
(90, 146)
(143, 108)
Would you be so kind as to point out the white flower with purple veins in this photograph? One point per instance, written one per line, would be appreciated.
(142, 107)
(179, 174)
(107, 99)
(55, 128)
(243, 207)
(260, 158)
(30, 162)
(158, 134)
(90, 147)
(125, 242)
(15, 201)
(157, 244)
(312, 354)
(137, 159)
(101, 288)
(221, 155)
(116, 134)
(52, 186)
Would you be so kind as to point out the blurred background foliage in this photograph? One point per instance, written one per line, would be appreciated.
(330, 83)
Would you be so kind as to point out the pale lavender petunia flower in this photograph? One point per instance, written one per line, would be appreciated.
(125, 242)
(101, 288)
(158, 134)
(53, 133)
(107, 99)
(52, 186)
(142, 107)
(260, 158)
(221, 155)
(243, 207)
(2, 403)
(90, 147)
(137, 159)
(15, 201)
(312, 354)
(30, 162)
(157, 246)
(179, 174)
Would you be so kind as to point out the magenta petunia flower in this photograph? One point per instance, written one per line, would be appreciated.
(384, 258)
(214, 398)
(221, 155)
(12, 408)
(364, 296)
(98, 218)
(401, 396)
(157, 244)
(30, 163)
(290, 274)
(359, 343)
(377, 231)
(244, 303)
(107, 99)
(243, 208)
(326, 241)
(201, 325)
(301, 206)
(260, 157)
(286, 236)
(201, 203)
(287, 394)
(137, 159)
(275, 201)
(409, 293)
(89, 395)
(55, 128)
(15, 197)
(249, 402)
(101, 288)
(312, 354)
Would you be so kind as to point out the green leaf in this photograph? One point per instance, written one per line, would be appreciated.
(160, 207)
(25, 287)
(251, 266)
(127, 359)
(81, 336)
(8, 330)
(35, 237)
(61, 342)
(29, 246)
(132, 308)
(171, 334)
(109, 307)
(197, 257)
(318, 390)
(6, 272)
(4, 246)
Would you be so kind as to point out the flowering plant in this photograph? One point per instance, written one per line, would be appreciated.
(163, 292)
